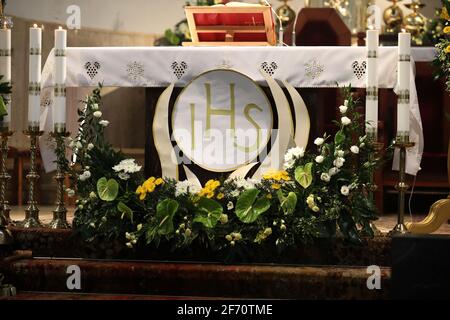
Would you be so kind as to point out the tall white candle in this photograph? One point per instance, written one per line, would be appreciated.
(34, 76)
(404, 78)
(60, 71)
(372, 40)
(5, 69)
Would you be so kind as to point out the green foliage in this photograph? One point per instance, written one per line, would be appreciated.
(107, 189)
(303, 175)
(208, 212)
(249, 207)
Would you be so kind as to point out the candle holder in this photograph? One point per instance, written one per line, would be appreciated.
(402, 143)
(5, 235)
(60, 213)
(5, 209)
(32, 211)
(372, 136)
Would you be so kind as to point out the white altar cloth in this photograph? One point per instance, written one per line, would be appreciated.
(302, 67)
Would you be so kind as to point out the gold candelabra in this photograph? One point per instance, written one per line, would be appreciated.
(393, 17)
(5, 234)
(402, 143)
(32, 210)
(60, 213)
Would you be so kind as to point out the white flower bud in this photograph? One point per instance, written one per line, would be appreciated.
(319, 159)
(97, 114)
(319, 141)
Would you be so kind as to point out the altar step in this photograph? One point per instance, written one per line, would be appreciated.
(188, 280)
(49, 296)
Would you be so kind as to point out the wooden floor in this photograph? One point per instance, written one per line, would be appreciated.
(385, 224)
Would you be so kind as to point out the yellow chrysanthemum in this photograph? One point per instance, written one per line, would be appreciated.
(159, 181)
(276, 186)
(444, 14)
(276, 175)
(140, 190)
(220, 196)
(209, 189)
(447, 29)
(447, 50)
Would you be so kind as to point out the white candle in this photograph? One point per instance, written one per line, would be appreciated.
(5, 69)
(34, 76)
(59, 107)
(372, 40)
(404, 78)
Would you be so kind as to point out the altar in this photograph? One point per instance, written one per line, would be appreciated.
(154, 67)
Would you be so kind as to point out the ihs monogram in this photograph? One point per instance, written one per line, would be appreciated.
(313, 69)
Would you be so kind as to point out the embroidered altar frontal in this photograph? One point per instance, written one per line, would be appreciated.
(300, 67)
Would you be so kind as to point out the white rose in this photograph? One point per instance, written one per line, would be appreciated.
(333, 171)
(230, 206)
(345, 190)
(345, 121)
(104, 123)
(343, 109)
(339, 162)
(354, 149)
(87, 174)
(319, 159)
(325, 177)
(70, 192)
(340, 153)
(319, 141)
(97, 114)
(90, 146)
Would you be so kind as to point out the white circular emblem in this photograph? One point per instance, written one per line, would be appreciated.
(222, 120)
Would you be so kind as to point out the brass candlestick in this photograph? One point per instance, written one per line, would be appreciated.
(402, 143)
(415, 23)
(32, 211)
(5, 234)
(4, 175)
(372, 136)
(60, 213)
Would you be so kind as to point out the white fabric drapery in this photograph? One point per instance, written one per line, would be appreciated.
(302, 67)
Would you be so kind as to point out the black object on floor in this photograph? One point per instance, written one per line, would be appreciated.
(421, 267)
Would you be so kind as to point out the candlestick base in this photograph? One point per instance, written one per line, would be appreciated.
(5, 209)
(60, 213)
(402, 143)
(32, 211)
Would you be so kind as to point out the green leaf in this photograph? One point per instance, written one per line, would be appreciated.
(107, 189)
(172, 37)
(3, 110)
(125, 210)
(339, 138)
(303, 175)
(208, 212)
(288, 203)
(165, 211)
(249, 207)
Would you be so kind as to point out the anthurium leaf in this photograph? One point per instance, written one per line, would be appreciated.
(249, 207)
(208, 212)
(107, 189)
(3, 110)
(339, 138)
(165, 211)
(125, 210)
(303, 175)
(289, 203)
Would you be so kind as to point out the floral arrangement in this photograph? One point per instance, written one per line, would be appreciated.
(442, 61)
(322, 192)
